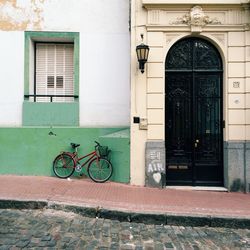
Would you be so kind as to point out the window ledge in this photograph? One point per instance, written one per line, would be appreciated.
(50, 114)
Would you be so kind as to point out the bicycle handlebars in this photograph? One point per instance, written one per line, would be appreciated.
(97, 144)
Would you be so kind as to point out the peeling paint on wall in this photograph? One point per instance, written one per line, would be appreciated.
(21, 14)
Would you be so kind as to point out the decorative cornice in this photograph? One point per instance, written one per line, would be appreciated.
(196, 17)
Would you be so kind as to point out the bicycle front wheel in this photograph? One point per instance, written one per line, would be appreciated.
(64, 165)
(100, 170)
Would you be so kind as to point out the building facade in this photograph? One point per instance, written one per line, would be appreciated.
(62, 81)
(190, 110)
(69, 73)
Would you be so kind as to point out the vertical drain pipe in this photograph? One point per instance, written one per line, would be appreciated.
(245, 165)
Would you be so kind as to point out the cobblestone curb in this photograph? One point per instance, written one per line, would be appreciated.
(22, 204)
(123, 216)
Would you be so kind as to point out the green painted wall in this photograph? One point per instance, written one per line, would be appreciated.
(120, 145)
(30, 151)
(50, 114)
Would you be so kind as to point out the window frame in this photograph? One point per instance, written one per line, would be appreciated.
(33, 37)
(44, 114)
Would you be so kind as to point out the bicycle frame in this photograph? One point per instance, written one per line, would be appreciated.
(77, 159)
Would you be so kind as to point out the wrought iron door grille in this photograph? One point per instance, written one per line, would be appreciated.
(193, 127)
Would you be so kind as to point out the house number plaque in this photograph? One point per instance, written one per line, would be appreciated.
(236, 84)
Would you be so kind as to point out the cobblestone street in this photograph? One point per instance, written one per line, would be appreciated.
(51, 229)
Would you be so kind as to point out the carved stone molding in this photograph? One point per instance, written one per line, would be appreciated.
(154, 16)
(197, 18)
(220, 37)
(170, 37)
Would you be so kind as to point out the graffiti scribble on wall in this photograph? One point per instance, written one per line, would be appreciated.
(21, 14)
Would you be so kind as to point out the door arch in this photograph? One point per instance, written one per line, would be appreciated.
(193, 116)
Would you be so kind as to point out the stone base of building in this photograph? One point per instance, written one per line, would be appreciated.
(236, 165)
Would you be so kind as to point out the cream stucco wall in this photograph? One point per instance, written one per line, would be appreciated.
(162, 23)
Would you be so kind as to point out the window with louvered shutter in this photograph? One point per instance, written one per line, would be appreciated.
(54, 71)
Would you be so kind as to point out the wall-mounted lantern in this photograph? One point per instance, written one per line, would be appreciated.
(142, 55)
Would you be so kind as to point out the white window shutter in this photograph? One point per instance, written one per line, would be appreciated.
(69, 70)
(54, 71)
(41, 72)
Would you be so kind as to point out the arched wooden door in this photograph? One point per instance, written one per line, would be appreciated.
(194, 119)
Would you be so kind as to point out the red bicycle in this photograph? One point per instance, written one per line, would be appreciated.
(99, 167)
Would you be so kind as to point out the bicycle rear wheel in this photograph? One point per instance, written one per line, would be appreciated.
(64, 165)
(100, 170)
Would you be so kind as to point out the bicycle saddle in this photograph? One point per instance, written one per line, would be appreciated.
(74, 145)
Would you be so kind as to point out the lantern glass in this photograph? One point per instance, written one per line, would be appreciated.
(142, 55)
(142, 52)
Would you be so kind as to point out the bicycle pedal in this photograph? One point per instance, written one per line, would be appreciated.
(78, 168)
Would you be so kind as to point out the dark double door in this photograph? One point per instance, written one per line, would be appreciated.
(194, 141)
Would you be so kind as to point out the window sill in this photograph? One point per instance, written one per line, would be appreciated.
(50, 114)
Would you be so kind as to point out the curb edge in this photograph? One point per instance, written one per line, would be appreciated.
(147, 218)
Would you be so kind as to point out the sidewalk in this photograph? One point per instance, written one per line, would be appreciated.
(122, 201)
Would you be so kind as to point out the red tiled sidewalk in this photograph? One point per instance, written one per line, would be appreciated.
(122, 197)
